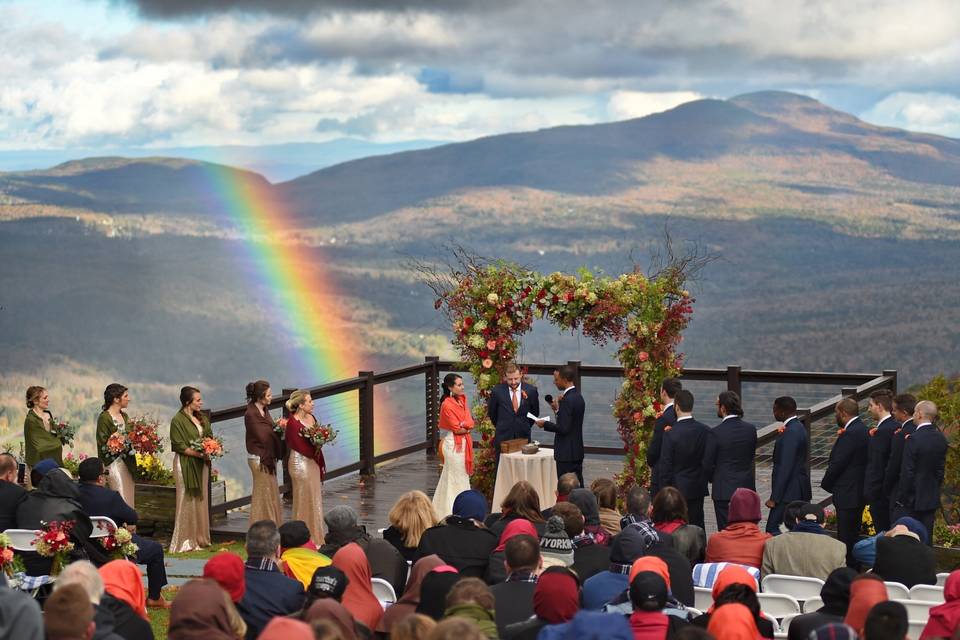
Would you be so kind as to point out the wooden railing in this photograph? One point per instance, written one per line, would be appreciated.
(854, 385)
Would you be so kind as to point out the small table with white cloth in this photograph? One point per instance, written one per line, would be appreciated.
(539, 469)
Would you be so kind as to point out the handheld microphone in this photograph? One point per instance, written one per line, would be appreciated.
(548, 398)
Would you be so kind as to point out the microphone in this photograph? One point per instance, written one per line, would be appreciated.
(548, 398)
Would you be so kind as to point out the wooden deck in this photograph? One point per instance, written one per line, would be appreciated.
(374, 496)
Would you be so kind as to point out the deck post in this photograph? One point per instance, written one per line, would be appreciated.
(893, 384)
(206, 412)
(733, 380)
(367, 466)
(849, 392)
(284, 412)
(804, 415)
(431, 395)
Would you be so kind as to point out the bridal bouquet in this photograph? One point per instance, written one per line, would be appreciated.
(64, 431)
(118, 445)
(120, 544)
(319, 434)
(53, 541)
(142, 433)
(211, 447)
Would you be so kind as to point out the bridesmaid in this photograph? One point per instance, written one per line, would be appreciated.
(120, 472)
(39, 443)
(264, 448)
(306, 466)
(191, 472)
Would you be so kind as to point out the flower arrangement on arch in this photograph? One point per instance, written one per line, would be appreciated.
(210, 446)
(319, 434)
(120, 544)
(64, 431)
(53, 541)
(144, 436)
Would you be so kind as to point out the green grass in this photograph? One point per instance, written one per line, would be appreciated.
(236, 546)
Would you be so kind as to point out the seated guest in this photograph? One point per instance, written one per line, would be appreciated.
(742, 541)
(589, 625)
(343, 527)
(69, 615)
(268, 592)
(589, 558)
(835, 594)
(638, 511)
(565, 484)
(606, 493)
(331, 611)
(84, 575)
(461, 540)
(903, 555)
(456, 629)
(413, 627)
(20, 615)
(287, 629)
(737, 586)
(886, 621)
(806, 549)
(97, 500)
(125, 599)
(556, 599)
(733, 621)
(672, 607)
(299, 557)
(470, 598)
(202, 611)
(865, 552)
(945, 618)
(359, 598)
(681, 574)
(326, 583)
(606, 585)
(555, 545)
(496, 567)
(514, 598)
(670, 516)
(411, 515)
(11, 493)
(648, 597)
(587, 503)
(433, 592)
(407, 604)
(866, 591)
(227, 570)
(522, 502)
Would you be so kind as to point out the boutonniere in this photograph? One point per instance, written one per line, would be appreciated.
(782, 429)
(667, 428)
(897, 432)
(523, 394)
(873, 432)
(907, 437)
(840, 432)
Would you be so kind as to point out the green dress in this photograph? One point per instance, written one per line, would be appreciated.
(38, 443)
(182, 433)
(105, 429)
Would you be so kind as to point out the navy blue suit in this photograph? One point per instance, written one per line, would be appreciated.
(101, 501)
(655, 448)
(844, 478)
(891, 479)
(510, 424)
(568, 430)
(878, 456)
(728, 462)
(682, 463)
(924, 459)
(791, 476)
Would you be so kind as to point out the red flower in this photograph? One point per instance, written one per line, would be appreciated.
(644, 356)
(840, 432)
(556, 298)
(523, 394)
(569, 296)
(468, 322)
(781, 430)
(873, 432)
(437, 303)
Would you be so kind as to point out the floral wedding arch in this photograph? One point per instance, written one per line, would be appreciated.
(491, 304)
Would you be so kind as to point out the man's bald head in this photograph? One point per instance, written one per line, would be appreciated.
(925, 411)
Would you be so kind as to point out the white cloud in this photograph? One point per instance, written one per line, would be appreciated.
(929, 112)
(624, 105)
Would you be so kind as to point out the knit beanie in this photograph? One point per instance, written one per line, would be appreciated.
(341, 518)
(294, 534)
(555, 545)
(470, 504)
(227, 570)
(913, 526)
(744, 506)
(627, 546)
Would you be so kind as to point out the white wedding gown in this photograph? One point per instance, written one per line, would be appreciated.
(453, 479)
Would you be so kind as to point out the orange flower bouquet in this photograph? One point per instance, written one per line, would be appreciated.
(118, 445)
(211, 447)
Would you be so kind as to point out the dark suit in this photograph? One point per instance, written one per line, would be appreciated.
(891, 479)
(682, 464)
(513, 603)
(101, 501)
(790, 477)
(924, 459)
(512, 424)
(268, 594)
(844, 478)
(728, 462)
(655, 449)
(11, 495)
(568, 430)
(878, 456)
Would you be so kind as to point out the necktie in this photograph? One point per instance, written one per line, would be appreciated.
(516, 399)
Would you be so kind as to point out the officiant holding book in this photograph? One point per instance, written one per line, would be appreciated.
(508, 406)
(568, 425)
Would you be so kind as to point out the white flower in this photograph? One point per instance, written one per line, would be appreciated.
(493, 298)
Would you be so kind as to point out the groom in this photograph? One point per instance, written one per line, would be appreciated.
(568, 428)
(508, 405)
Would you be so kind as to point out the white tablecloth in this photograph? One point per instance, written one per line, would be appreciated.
(538, 469)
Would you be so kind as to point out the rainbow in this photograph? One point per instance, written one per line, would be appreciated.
(305, 294)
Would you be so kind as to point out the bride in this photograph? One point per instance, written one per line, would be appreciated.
(456, 448)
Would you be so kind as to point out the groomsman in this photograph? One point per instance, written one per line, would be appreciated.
(681, 462)
(668, 391)
(791, 475)
(728, 461)
(878, 457)
(568, 428)
(846, 471)
(508, 406)
(924, 459)
(903, 408)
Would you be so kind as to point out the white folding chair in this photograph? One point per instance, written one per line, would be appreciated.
(942, 579)
(702, 598)
(915, 628)
(773, 621)
(927, 592)
(384, 592)
(812, 604)
(778, 605)
(897, 591)
(694, 612)
(102, 526)
(917, 609)
(22, 539)
(799, 587)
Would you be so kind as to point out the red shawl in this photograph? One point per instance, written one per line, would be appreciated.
(455, 414)
(945, 618)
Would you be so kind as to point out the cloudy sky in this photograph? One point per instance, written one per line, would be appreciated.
(103, 73)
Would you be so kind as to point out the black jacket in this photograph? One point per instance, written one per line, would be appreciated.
(529, 629)
(386, 562)
(460, 543)
(791, 475)
(497, 522)
(655, 449)
(921, 477)
(682, 459)
(392, 535)
(568, 428)
(269, 594)
(510, 425)
(847, 467)
(906, 560)
(681, 574)
(891, 479)
(103, 618)
(728, 458)
(101, 501)
(513, 603)
(590, 560)
(878, 457)
(11, 495)
(126, 623)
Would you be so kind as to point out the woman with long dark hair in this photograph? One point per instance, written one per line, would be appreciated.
(191, 472)
(264, 449)
(120, 471)
(456, 448)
